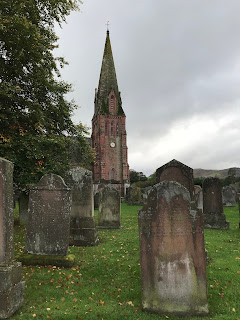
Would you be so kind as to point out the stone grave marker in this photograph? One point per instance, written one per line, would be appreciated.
(179, 172)
(11, 286)
(109, 208)
(134, 196)
(172, 253)
(229, 196)
(214, 218)
(48, 224)
(198, 196)
(83, 229)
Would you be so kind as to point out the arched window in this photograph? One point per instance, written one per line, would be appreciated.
(112, 174)
(117, 129)
(106, 128)
(111, 128)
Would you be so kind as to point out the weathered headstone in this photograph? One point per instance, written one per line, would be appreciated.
(49, 217)
(109, 208)
(179, 172)
(198, 196)
(83, 229)
(23, 208)
(11, 286)
(134, 196)
(214, 218)
(172, 254)
(229, 196)
(145, 193)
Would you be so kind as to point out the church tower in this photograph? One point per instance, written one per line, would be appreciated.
(109, 137)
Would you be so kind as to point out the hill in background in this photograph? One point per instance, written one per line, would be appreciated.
(221, 174)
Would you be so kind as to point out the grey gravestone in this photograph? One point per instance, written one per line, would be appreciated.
(109, 208)
(83, 231)
(198, 196)
(179, 172)
(172, 254)
(134, 196)
(23, 208)
(11, 286)
(229, 196)
(214, 218)
(49, 217)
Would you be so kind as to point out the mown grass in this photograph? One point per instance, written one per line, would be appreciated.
(105, 281)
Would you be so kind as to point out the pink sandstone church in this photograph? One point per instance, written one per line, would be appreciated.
(109, 137)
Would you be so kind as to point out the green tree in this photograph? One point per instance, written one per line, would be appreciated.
(36, 130)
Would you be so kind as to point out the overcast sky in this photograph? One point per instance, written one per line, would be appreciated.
(178, 70)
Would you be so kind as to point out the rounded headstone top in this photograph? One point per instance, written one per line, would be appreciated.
(211, 181)
(5, 160)
(52, 181)
(169, 190)
(109, 188)
(77, 174)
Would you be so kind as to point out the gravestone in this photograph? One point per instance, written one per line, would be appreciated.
(229, 196)
(145, 193)
(48, 224)
(23, 208)
(214, 218)
(109, 208)
(179, 172)
(198, 196)
(172, 254)
(11, 286)
(83, 231)
(134, 196)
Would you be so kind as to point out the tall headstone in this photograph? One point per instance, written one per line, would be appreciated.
(23, 208)
(49, 217)
(83, 229)
(214, 218)
(179, 172)
(11, 286)
(172, 254)
(198, 196)
(109, 208)
(229, 196)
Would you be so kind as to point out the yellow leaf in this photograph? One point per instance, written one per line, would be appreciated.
(233, 309)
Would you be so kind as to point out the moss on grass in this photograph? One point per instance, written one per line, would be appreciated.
(34, 259)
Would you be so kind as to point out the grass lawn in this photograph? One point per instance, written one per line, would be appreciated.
(105, 281)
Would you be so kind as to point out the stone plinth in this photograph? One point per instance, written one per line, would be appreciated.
(11, 286)
(49, 217)
(214, 218)
(172, 253)
(109, 208)
(179, 172)
(83, 231)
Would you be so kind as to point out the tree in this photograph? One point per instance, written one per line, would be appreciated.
(136, 176)
(35, 118)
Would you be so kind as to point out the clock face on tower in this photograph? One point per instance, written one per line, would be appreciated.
(112, 144)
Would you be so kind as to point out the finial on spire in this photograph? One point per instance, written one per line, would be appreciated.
(107, 24)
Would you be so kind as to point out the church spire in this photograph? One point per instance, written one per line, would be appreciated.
(107, 82)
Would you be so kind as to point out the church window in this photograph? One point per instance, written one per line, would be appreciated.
(117, 129)
(111, 128)
(112, 174)
(106, 128)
